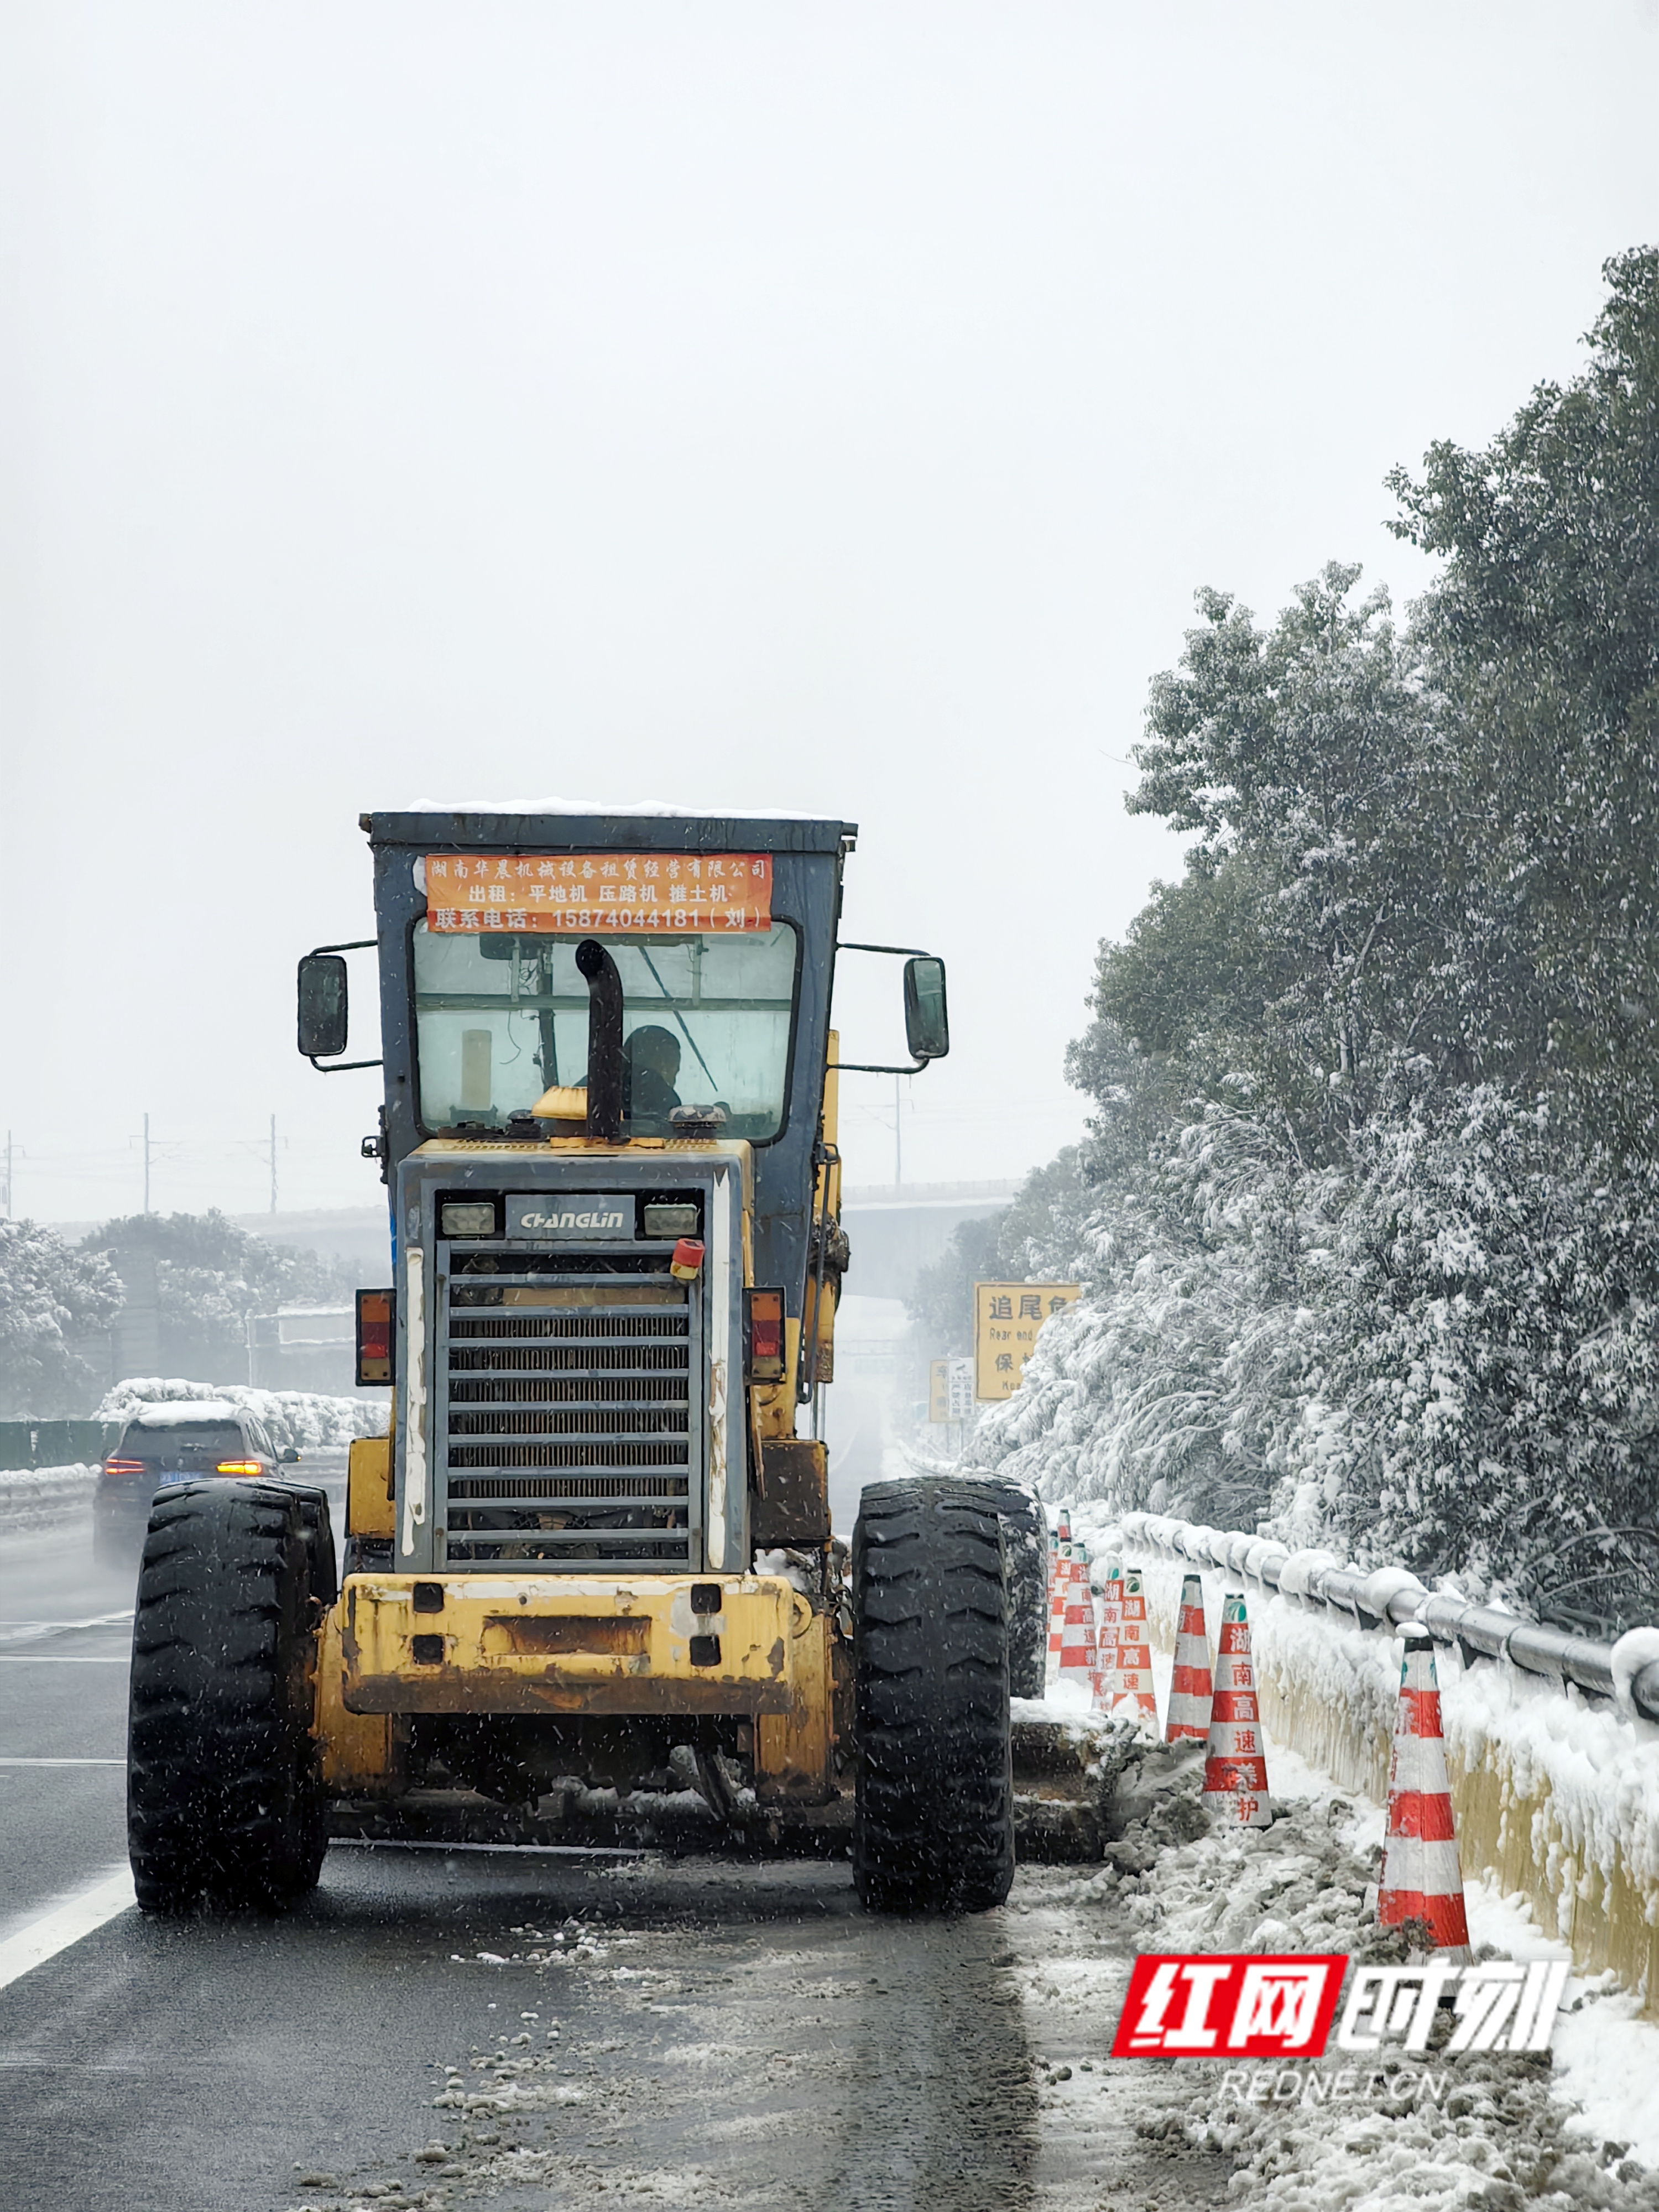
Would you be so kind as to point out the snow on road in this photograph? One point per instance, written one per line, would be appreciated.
(745, 2053)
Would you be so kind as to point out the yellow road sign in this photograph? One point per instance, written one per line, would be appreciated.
(939, 1390)
(1006, 1319)
(950, 1390)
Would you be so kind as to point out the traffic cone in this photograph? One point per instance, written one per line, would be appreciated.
(1234, 1770)
(1064, 1530)
(1056, 1610)
(1109, 1616)
(1421, 1878)
(1190, 1686)
(1059, 1590)
(1078, 1659)
(1134, 1683)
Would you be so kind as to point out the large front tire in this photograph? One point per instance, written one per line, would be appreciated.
(934, 1829)
(224, 1787)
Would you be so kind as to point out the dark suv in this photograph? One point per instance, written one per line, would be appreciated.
(170, 1444)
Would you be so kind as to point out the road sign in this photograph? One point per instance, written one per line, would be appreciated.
(1006, 1319)
(950, 1390)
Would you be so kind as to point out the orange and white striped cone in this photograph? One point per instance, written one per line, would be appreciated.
(1109, 1616)
(1058, 1585)
(1134, 1683)
(1235, 1768)
(1064, 1529)
(1190, 1687)
(1078, 1661)
(1421, 1877)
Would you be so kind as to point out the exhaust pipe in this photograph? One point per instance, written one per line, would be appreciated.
(605, 1040)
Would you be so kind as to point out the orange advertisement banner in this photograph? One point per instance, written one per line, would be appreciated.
(588, 894)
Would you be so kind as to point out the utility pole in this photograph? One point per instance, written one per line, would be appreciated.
(8, 1190)
(146, 1163)
(273, 1163)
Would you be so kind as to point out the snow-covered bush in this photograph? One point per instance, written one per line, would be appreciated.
(300, 1418)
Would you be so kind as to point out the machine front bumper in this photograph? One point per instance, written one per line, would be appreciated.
(524, 1643)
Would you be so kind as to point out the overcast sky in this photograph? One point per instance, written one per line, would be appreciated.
(831, 407)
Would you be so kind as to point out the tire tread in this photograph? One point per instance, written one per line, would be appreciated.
(933, 1830)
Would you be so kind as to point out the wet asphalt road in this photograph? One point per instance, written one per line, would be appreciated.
(729, 2033)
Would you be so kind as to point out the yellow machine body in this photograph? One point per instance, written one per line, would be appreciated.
(505, 1644)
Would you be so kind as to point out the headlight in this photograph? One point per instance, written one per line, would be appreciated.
(670, 1220)
(459, 1218)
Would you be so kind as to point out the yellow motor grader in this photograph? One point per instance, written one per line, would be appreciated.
(595, 1543)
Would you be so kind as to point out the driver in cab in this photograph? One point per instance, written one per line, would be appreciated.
(651, 1066)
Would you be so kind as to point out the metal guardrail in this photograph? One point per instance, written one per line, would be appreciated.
(1393, 1597)
(26, 1443)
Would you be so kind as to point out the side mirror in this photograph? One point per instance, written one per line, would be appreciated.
(288, 1456)
(926, 1021)
(322, 1013)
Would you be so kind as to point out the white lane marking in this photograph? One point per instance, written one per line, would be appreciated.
(66, 1922)
(24, 1631)
(513, 1850)
(63, 1762)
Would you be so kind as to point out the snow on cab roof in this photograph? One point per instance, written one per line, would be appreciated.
(656, 808)
(171, 1413)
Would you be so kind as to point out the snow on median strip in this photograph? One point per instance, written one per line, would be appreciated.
(67, 1922)
(25, 1632)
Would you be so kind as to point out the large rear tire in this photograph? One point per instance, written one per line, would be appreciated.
(934, 1829)
(224, 1785)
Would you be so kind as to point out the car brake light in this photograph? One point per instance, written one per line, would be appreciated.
(119, 1466)
(239, 1466)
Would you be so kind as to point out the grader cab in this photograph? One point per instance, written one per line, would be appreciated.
(596, 1544)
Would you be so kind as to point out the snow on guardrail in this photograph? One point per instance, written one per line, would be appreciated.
(1628, 1669)
(42, 1497)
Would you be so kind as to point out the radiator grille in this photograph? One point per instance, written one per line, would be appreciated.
(569, 1429)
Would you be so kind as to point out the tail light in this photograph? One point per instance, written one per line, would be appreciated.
(239, 1466)
(765, 1314)
(116, 1468)
(377, 1317)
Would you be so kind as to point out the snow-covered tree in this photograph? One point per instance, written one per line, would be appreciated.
(51, 1296)
(1373, 1255)
(210, 1276)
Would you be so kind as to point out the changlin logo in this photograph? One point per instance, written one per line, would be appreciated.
(571, 1221)
(1191, 2006)
(607, 1214)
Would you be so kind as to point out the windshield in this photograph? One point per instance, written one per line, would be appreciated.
(500, 1019)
